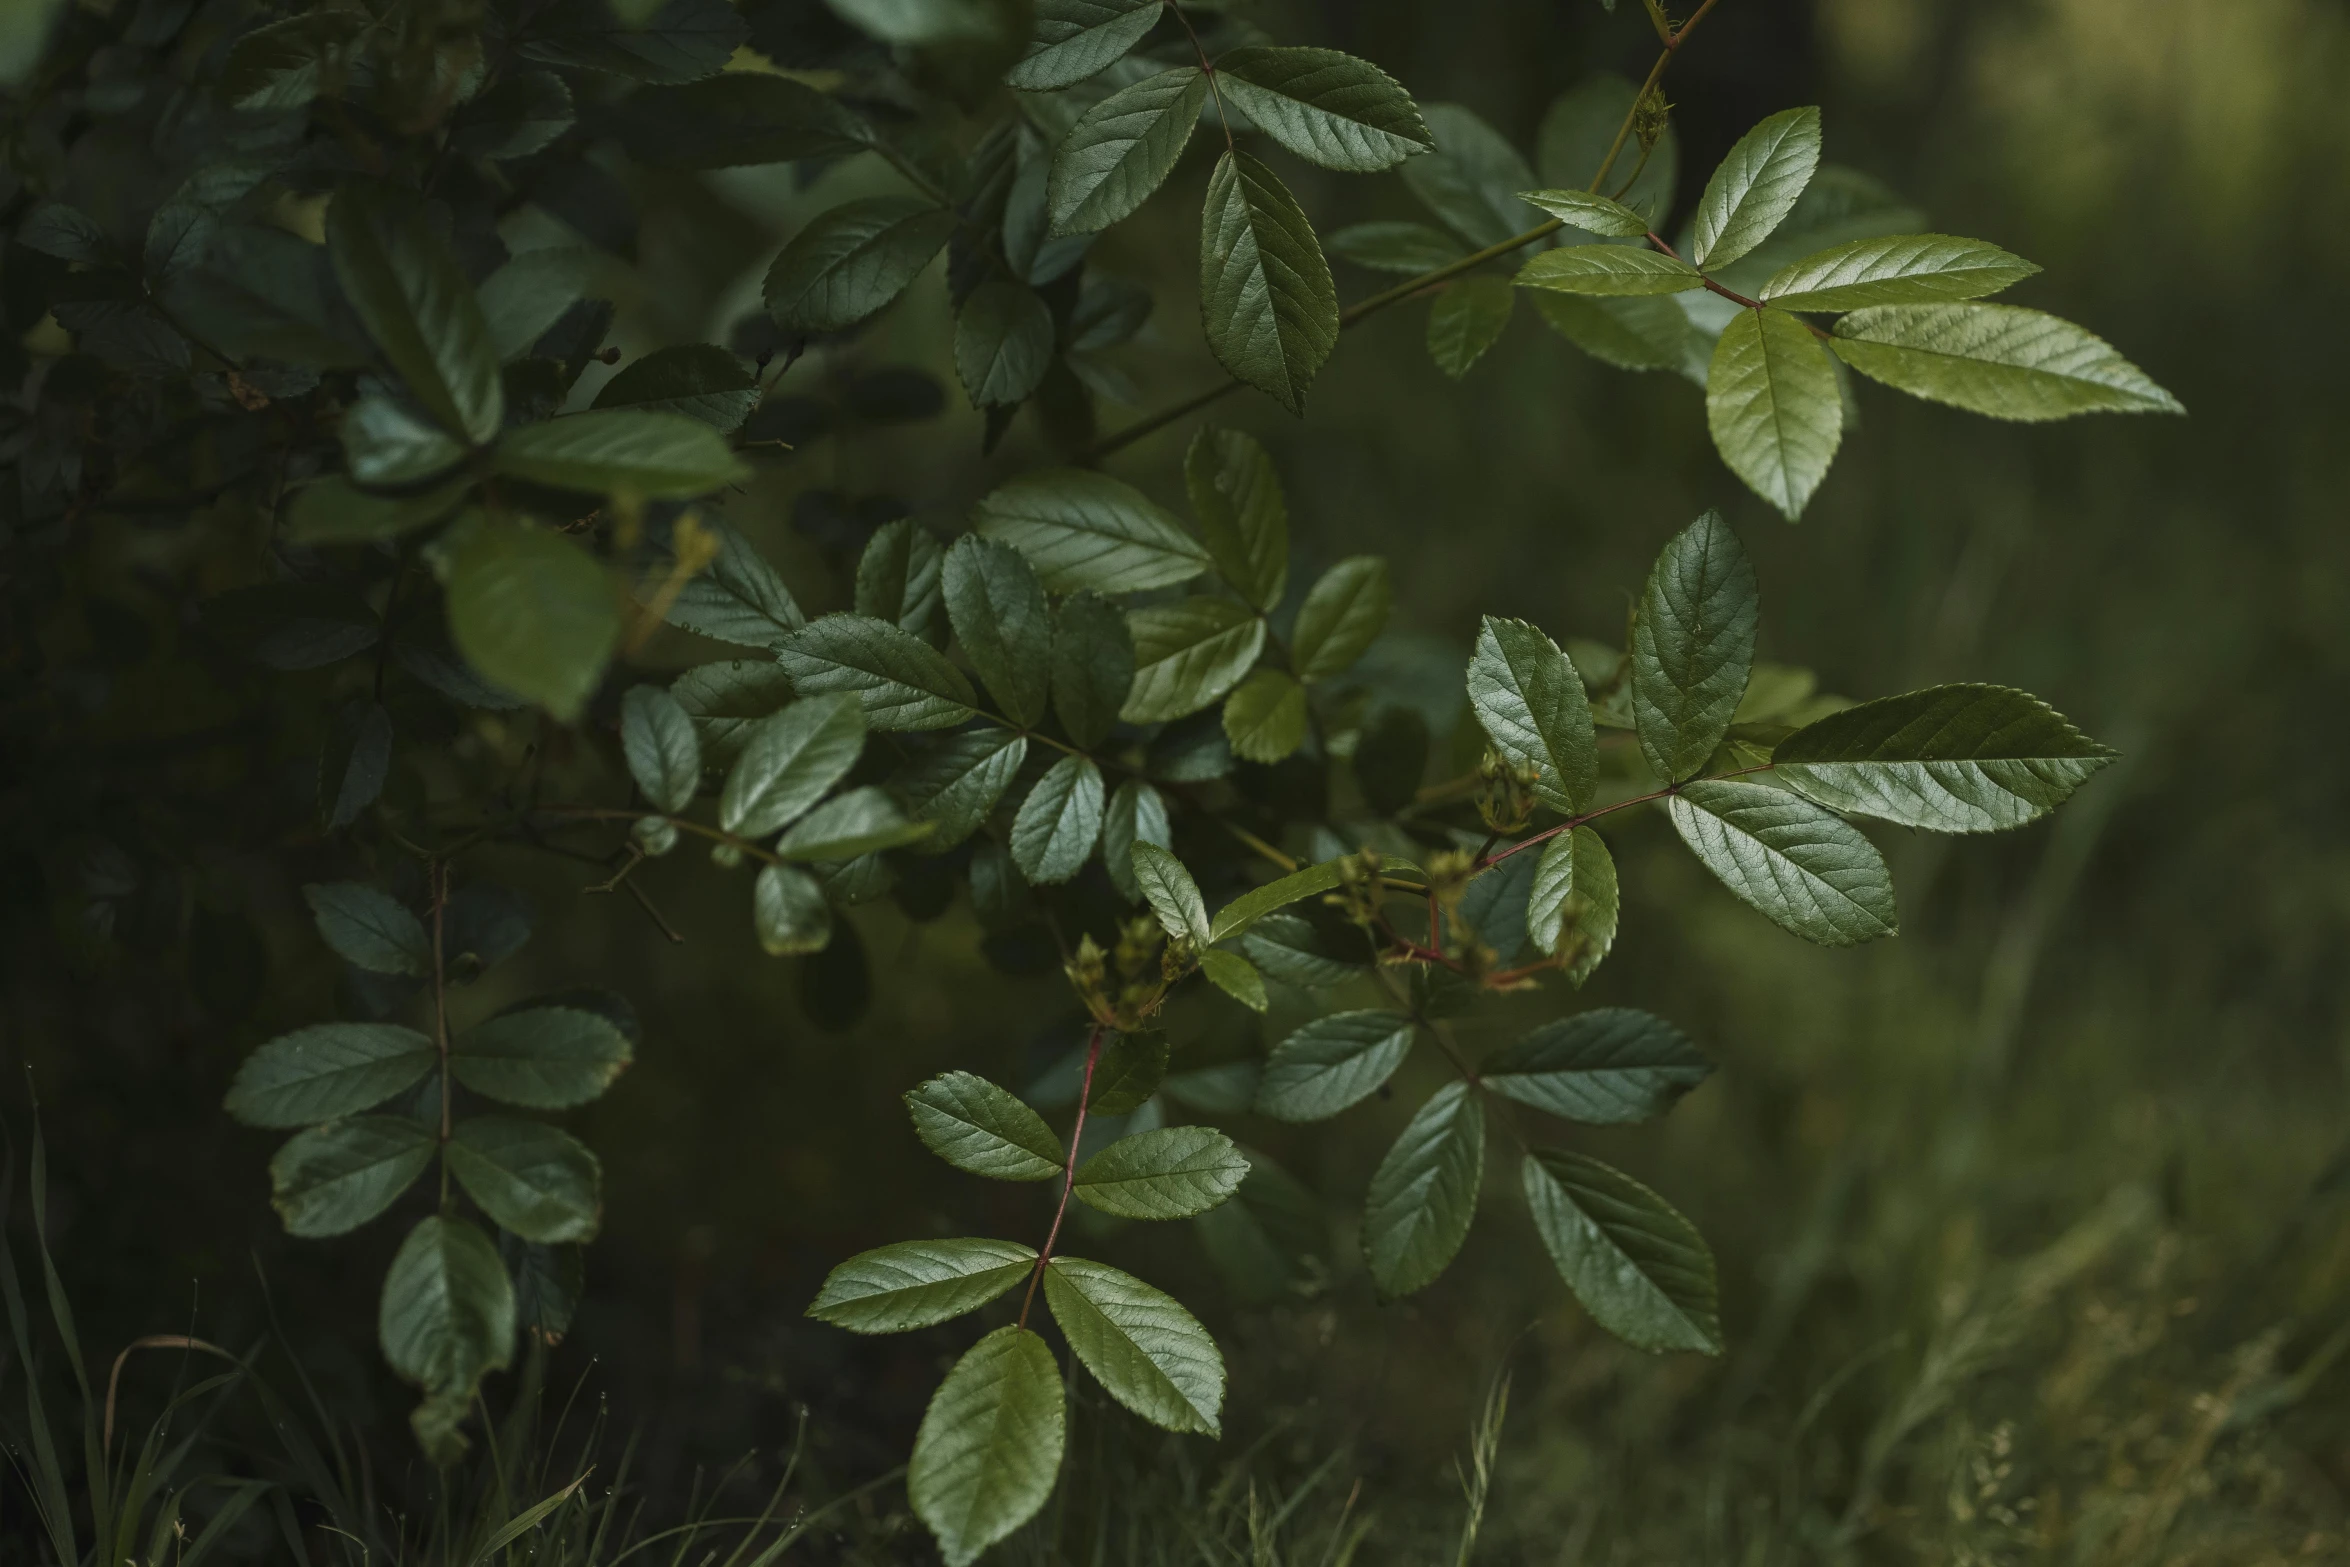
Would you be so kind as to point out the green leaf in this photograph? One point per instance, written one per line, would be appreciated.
(1628, 333)
(681, 41)
(1639, 1268)
(1265, 717)
(384, 443)
(1692, 645)
(901, 681)
(899, 574)
(1467, 319)
(1085, 530)
(737, 119)
(626, 451)
(1059, 822)
(1332, 1064)
(369, 927)
(1236, 495)
(1895, 269)
(530, 293)
(789, 912)
(999, 613)
(1589, 211)
(1187, 655)
(932, 23)
(522, 113)
(446, 1320)
(1137, 814)
(327, 1070)
(725, 699)
(1472, 179)
(542, 1057)
(1093, 666)
(336, 1177)
(980, 1128)
(1959, 758)
(699, 380)
(1289, 949)
(1236, 976)
(2000, 360)
(332, 511)
(738, 597)
(1171, 1173)
(1531, 705)
(1773, 405)
(1580, 127)
(1406, 248)
(1327, 107)
(990, 1444)
(1172, 894)
(1144, 1348)
(1602, 1068)
(918, 1284)
(1755, 187)
(286, 64)
(1424, 1192)
(956, 785)
(1572, 905)
(1245, 910)
(1342, 616)
(1810, 872)
(1266, 296)
(535, 613)
(788, 761)
(861, 821)
(664, 754)
(1074, 39)
(1130, 1070)
(1609, 270)
(407, 290)
(66, 232)
(1003, 343)
(852, 260)
(1122, 149)
(535, 1180)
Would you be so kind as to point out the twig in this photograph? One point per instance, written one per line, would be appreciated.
(1093, 1055)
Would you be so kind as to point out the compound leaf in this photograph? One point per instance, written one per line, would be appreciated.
(1895, 269)
(1327, 107)
(1171, 1173)
(1122, 149)
(1332, 1064)
(1060, 822)
(1139, 1343)
(990, 1444)
(1343, 614)
(327, 1070)
(542, 1057)
(852, 260)
(1957, 758)
(336, 1177)
(1424, 1192)
(1755, 187)
(663, 752)
(1086, 530)
(1639, 1268)
(788, 761)
(1188, 654)
(901, 681)
(1692, 646)
(918, 1284)
(980, 1128)
(2000, 360)
(1602, 1068)
(535, 1180)
(1266, 295)
(1531, 705)
(1810, 872)
(1773, 405)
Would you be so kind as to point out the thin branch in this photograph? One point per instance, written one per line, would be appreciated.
(1093, 1055)
(437, 876)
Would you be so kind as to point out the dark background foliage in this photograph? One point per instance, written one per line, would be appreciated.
(2085, 1109)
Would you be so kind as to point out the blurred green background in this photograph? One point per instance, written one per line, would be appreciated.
(2031, 1234)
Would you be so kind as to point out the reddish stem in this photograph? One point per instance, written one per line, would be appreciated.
(1093, 1055)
